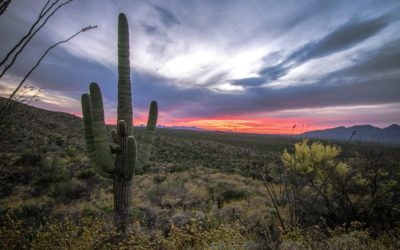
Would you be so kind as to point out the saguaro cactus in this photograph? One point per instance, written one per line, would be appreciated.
(119, 158)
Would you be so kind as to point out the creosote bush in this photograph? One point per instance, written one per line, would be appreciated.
(325, 190)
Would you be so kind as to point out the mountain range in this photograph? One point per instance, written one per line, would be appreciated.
(359, 133)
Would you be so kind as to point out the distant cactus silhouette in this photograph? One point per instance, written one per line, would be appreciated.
(127, 157)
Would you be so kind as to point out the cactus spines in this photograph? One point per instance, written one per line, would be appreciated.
(123, 145)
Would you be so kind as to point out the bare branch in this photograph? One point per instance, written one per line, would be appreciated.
(272, 197)
(10, 99)
(44, 8)
(3, 6)
(31, 33)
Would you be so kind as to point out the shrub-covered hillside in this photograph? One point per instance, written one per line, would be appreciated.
(200, 190)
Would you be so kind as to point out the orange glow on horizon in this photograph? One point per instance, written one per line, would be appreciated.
(236, 124)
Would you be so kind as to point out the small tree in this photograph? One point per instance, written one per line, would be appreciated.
(322, 189)
(314, 176)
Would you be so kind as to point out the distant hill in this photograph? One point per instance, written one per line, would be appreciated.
(364, 133)
(29, 127)
(181, 127)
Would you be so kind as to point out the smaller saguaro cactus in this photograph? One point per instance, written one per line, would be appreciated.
(119, 158)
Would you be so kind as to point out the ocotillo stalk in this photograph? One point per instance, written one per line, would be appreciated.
(101, 152)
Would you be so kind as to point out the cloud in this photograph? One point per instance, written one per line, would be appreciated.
(250, 81)
(380, 63)
(166, 16)
(346, 36)
(350, 89)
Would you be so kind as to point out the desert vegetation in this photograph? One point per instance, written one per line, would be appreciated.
(199, 190)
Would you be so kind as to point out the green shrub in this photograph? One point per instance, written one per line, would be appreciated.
(222, 192)
(50, 170)
(29, 159)
(178, 167)
(86, 173)
(159, 179)
(71, 151)
(67, 191)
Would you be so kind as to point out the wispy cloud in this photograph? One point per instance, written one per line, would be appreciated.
(344, 37)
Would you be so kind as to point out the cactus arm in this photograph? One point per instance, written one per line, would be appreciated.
(87, 125)
(88, 131)
(124, 81)
(121, 156)
(114, 136)
(102, 148)
(131, 157)
(122, 128)
(115, 148)
(153, 115)
(148, 137)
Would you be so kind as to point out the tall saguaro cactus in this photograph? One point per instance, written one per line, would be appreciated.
(119, 158)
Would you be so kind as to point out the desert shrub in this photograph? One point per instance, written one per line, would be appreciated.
(178, 167)
(223, 191)
(16, 170)
(341, 192)
(232, 211)
(86, 173)
(13, 233)
(86, 233)
(29, 159)
(147, 215)
(160, 193)
(261, 225)
(67, 191)
(12, 175)
(18, 226)
(50, 170)
(195, 236)
(159, 179)
(33, 215)
(59, 140)
(99, 233)
(196, 196)
(351, 237)
(71, 151)
(6, 189)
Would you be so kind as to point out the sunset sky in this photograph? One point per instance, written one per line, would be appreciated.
(253, 66)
